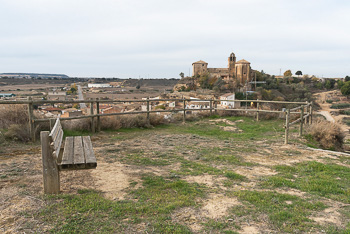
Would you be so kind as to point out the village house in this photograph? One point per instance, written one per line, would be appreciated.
(71, 112)
(112, 109)
(7, 95)
(225, 101)
(198, 105)
(53, 110)
(99, 85)
(56, 96)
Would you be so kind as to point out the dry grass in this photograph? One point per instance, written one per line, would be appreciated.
(328, 135)
(13, 114)
(77, 124)
(131, 121)
(18, 132)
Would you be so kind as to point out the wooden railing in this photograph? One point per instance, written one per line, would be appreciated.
(304, 110)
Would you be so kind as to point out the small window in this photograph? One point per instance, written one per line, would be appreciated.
(202, 65)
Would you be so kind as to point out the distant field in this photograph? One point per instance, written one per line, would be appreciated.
(29, 86)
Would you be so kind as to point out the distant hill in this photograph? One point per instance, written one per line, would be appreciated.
(34, 75)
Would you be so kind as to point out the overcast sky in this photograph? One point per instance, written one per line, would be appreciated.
(161, 38)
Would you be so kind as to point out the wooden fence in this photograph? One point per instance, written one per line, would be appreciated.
(304, 110)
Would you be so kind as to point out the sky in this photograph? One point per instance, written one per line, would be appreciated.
(160, 39)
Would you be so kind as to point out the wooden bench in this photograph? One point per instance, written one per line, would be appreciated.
(77, 154)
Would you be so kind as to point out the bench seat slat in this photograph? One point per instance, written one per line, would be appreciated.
(79, 161)
(68, 154)
(90, 159)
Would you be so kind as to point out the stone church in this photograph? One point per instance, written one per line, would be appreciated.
(239, 71)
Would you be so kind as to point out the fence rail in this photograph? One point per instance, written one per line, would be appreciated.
(95, 108)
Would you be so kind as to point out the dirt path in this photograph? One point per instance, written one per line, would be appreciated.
(321, 99)
(327, 115)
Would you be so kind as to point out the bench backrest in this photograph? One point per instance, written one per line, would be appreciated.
(56, 137)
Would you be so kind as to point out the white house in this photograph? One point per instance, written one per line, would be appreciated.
(225, 101)
(56, 95)
(99, 85)
(198, 105)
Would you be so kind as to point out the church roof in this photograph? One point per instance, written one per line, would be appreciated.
(200, 61)
(243, 61)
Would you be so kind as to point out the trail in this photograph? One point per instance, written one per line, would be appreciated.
(81, 97)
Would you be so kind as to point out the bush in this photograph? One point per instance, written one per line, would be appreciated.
(77, 124)
(13, 114)
(131, 121)
(340, 106)
(328, 135)
(329, 101)
(18, 132)
(344, 112)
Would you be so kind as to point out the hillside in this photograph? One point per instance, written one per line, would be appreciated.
(218, 175)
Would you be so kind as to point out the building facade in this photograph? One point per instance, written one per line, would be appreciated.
(239, 71)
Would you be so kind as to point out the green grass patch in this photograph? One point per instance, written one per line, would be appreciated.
(76, 133)
(251, 129)
(89, 212)
(226, 155)
(234, 176)
(221, 227)
(285, 212)
(194, 168)
(327, 180)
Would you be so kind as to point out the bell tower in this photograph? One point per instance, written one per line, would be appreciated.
(231, 65)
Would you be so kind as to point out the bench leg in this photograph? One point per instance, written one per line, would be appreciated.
(51, 174)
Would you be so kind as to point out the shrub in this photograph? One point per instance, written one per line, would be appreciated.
(344, 112)
(329, 101)
(77, 124)
(328, 135)
(13, 114)
(18, 132)
(340, 106)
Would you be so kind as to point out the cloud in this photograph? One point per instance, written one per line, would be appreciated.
(162, 38)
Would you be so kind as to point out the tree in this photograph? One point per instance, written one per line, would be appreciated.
(299, 73)
(182, 75)
(340, 84)
(345, 90)
(287, 73)
(347, 78)
(138, 86)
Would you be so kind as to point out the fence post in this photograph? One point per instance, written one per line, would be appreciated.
(216, 107)
(148, 117)
(184, 115)
(92, 118)
(257, 112)
(301, 121)
(98, 117)
(51, 174)
(211, 107)
(287, 127)
(305, 112)
(31, 119)
(310, 119)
